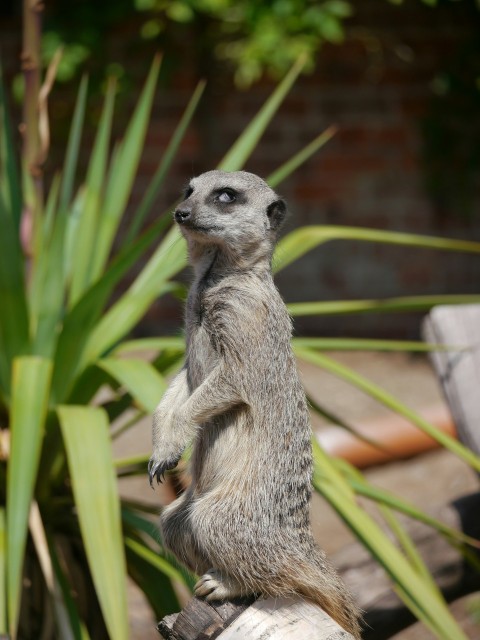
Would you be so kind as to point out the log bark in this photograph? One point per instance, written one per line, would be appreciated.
(272, 618)
(200, 620)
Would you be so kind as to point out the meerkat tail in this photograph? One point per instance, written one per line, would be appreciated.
(319, 583)
(307, 574)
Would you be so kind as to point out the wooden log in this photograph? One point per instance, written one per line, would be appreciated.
(200, 620)
(283, 618)
(458, 370)
(272, 618)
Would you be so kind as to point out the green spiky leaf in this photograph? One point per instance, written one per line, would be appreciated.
(30, 391)
(85, 432)
(139, 377)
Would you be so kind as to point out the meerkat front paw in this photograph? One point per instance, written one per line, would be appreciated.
(215, 585)
(157, 467)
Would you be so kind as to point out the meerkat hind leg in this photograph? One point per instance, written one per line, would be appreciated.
(215, 585)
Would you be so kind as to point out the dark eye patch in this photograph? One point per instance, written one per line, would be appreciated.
(187, 192)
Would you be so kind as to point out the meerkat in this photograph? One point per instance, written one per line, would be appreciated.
(243, 524)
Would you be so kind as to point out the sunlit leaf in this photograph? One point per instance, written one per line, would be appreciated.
(85, 235)
(139, 460)
(154, 559)
(50, 271)
(3, 568)
(364, 488)
(243, 147)
(122, 173)
(410, 550)
(80, 321)
(300, 241)
(168, 260)
(389, 401)
(416, 593)
(30, 390)
(85, 432)
(164, 165)
(387, 305)
(73, 147)
(140, 379)
(367, 344)
(150, 344)
(299, 158)
(47, 292)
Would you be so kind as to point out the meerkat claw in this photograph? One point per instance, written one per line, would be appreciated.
(158, 469)
(152, 472)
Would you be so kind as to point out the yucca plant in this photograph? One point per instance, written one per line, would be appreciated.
(67, 541)
(62, 523)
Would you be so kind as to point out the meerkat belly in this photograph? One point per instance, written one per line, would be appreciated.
(222, 444)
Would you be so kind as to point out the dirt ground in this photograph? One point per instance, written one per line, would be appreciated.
(428, 480)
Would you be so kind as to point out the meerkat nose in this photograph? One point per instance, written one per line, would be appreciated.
(182, 215)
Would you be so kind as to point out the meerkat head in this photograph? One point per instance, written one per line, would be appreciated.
(236, 211)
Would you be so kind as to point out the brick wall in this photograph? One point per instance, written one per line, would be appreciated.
(378, 88)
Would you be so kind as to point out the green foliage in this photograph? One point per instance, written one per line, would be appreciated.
(254, 37)
(53, 357)
(413, 584)
(249, 33)
(63, 336)
(73, 55)
(85, 432)
(57, 327)
(30, 389)
(258, 37)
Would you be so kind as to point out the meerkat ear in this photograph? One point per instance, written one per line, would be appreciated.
(276, 213)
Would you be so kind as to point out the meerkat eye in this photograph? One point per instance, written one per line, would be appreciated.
(225, 196)
(188, 192)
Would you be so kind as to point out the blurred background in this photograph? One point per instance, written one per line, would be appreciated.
(401, 80)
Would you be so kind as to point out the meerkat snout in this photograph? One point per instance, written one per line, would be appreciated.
(182, 215)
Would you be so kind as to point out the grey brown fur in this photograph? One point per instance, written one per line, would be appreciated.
(243, 523)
